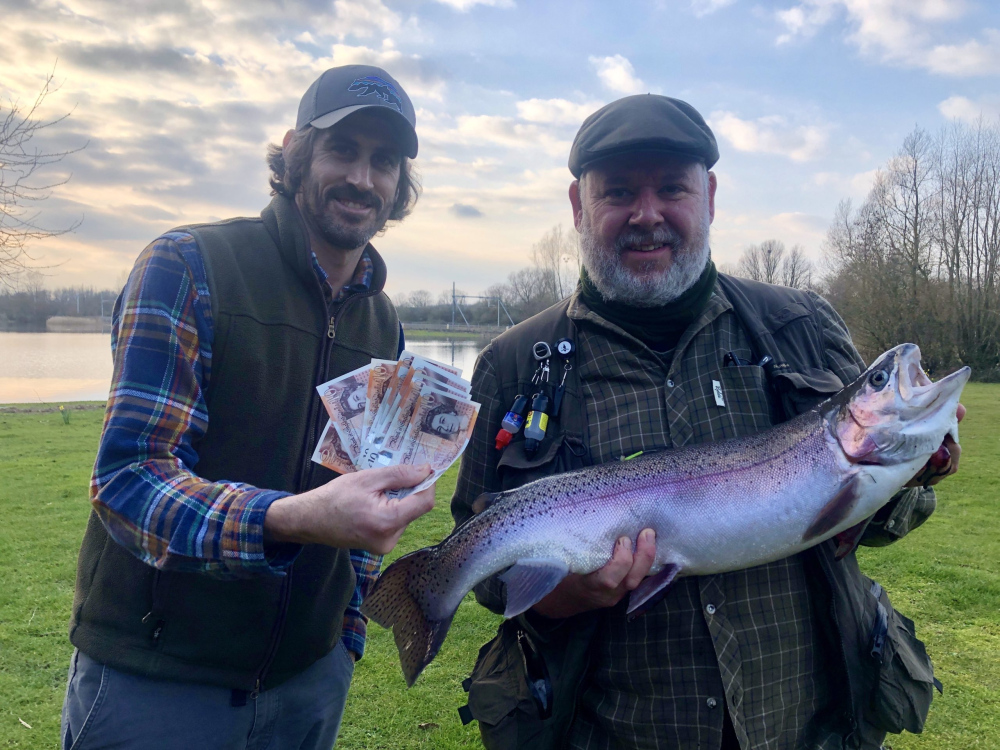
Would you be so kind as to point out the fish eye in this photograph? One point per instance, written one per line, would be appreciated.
(878, 378)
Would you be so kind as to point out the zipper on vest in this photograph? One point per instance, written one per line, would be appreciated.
(279, 629)
(331, 330)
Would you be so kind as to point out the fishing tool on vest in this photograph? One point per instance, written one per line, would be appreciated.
(565, 348)
(538, 417)
(512, 422)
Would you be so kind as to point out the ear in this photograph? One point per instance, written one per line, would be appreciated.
(713, 183)
(576, 203)
(287, 138)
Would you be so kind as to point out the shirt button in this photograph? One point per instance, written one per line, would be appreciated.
(712, 703)
(670, 384)
(890, 523)
(710, 608)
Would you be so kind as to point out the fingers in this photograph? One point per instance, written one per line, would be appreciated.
(614, 571)
(395, 477)
(642, 560)
(960, 412)
(411, 507)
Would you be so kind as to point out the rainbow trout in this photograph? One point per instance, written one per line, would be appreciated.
(715, 507)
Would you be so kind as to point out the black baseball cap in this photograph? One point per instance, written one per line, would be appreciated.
(342, 91)
(645, 122)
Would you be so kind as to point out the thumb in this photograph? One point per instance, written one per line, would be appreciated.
(397, 477)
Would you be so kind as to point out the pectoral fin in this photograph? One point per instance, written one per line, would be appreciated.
(529, 581)
(651, 590)
(834, 512)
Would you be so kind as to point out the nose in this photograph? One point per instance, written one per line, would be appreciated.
(360, 175)
(646, 211)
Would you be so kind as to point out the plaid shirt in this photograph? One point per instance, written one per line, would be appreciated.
(744, 640)
(144, 487)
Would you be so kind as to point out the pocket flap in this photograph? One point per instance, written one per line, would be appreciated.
(514, 456)
(911, 650)
(496, 687)
(810, 379)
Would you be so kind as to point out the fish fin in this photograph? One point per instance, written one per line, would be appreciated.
(848, 539)
(834, 512)
(484, 501)
(650, 590)
(398, 600)
(528, 581)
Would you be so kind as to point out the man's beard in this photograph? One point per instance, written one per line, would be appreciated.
(343, 235)
(644, 287)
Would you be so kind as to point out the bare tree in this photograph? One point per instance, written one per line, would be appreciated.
(419, 299)
(796, 269)
(762, 262)
(557, 255)
(21, 188)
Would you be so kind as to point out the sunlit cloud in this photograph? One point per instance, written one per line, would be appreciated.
(617, 74)
(771, 135)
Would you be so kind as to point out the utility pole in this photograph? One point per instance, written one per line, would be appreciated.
(453, 303)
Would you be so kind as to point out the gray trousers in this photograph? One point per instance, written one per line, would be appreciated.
(105, 708)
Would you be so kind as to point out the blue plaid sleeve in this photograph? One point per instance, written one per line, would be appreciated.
(143, 487)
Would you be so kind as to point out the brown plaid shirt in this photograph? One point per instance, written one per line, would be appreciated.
(745, 640)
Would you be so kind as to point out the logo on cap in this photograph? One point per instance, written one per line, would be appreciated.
(380, 87)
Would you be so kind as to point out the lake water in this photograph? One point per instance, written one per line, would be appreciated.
(57, 367)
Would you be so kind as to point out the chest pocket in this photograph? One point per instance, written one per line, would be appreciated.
(745, 392)
(802, 390)
(516, 468)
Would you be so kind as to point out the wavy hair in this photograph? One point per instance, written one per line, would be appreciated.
(289, 165)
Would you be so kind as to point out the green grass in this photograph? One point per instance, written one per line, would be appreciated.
(945, 576)
(417, 334)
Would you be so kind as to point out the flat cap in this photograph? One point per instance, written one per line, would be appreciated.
(645, 122)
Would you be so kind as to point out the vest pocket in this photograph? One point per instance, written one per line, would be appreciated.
(516, 468)
(904, 681)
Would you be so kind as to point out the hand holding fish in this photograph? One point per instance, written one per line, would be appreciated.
(944, 462)
(606, 586)
(352, 510)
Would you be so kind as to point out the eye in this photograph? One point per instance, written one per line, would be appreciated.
(878, 378)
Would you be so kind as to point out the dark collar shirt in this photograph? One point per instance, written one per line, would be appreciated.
(744, 642)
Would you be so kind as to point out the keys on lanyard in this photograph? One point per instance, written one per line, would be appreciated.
(565, 348)
(538, 418)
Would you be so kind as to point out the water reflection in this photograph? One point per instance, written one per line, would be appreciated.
(56, 367)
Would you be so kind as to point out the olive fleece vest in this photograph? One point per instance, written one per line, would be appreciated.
(271, 349)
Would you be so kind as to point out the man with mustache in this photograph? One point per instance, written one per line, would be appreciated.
(670, 353)
(221, 571)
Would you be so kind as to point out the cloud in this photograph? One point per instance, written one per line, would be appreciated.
(617, 74)
(705, 7)
(857, 185)
(899, 32)
(364, 18)
(963, 108)
(467, 5)
(465, 211)
(555, 111)
(771, 135)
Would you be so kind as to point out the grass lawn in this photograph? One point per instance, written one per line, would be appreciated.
(945, 576)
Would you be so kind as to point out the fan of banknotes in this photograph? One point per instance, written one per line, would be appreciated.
(414, 411)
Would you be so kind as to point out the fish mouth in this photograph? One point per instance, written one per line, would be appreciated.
(919, 392)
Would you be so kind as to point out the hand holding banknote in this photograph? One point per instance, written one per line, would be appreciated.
(353, 510)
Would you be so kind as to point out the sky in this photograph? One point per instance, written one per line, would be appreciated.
(174, 102)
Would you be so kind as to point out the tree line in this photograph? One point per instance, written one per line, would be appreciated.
(27, 306)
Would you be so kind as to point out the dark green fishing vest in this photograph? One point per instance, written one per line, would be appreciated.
(271, 348)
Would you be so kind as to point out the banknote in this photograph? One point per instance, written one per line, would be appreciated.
(438, 432)
(331, 453)
(411, 411)
(378, 383)
(345, 399)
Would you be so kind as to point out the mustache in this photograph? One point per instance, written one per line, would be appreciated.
(635, 237)
(351, 193)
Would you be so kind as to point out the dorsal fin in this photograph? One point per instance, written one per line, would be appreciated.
(484, 501)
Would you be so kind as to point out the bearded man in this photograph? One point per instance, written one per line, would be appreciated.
(222, 570)
(668, 352)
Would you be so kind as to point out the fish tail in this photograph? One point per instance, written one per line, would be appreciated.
(400, 600)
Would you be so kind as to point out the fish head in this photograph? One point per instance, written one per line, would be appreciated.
(894, 414)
